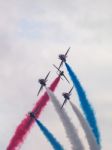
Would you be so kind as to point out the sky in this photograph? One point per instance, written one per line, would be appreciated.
(32, 34)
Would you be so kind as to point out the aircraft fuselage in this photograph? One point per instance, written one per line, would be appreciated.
(66, 96)
(42, 82)
(61, 73)
(31, 114)
(62, 57)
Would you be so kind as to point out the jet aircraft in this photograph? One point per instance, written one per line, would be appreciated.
(66, 96)
(42, 83)
(63, 57)
(31, 114)
(61, 73)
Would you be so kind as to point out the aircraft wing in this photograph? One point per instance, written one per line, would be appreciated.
(40, 90)
(47, 76)
(67, 51)
(60, 64)
(64, 103)
(66, 79)
(71, 90)
(56, 67)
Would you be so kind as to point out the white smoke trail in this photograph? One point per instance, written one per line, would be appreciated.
(68, 126)
(89, 134)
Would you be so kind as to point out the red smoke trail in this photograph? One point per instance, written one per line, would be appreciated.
(26, 124)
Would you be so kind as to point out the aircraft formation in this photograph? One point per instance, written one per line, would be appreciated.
(43, 82)
(88, 121)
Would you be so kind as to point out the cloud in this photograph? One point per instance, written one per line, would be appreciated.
(32, 33)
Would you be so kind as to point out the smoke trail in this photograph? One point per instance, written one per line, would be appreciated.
(87, 109)
(69, 127)
(25, 125)
(55, 144)
(89, 134)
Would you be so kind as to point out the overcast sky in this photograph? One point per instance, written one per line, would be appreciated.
(32, 34)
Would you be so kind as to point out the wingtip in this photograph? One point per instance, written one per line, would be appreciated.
(38, 93)
(69, 48)
(54, 66)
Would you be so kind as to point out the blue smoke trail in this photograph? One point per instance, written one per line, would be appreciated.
(88, 111)
(55, 144)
